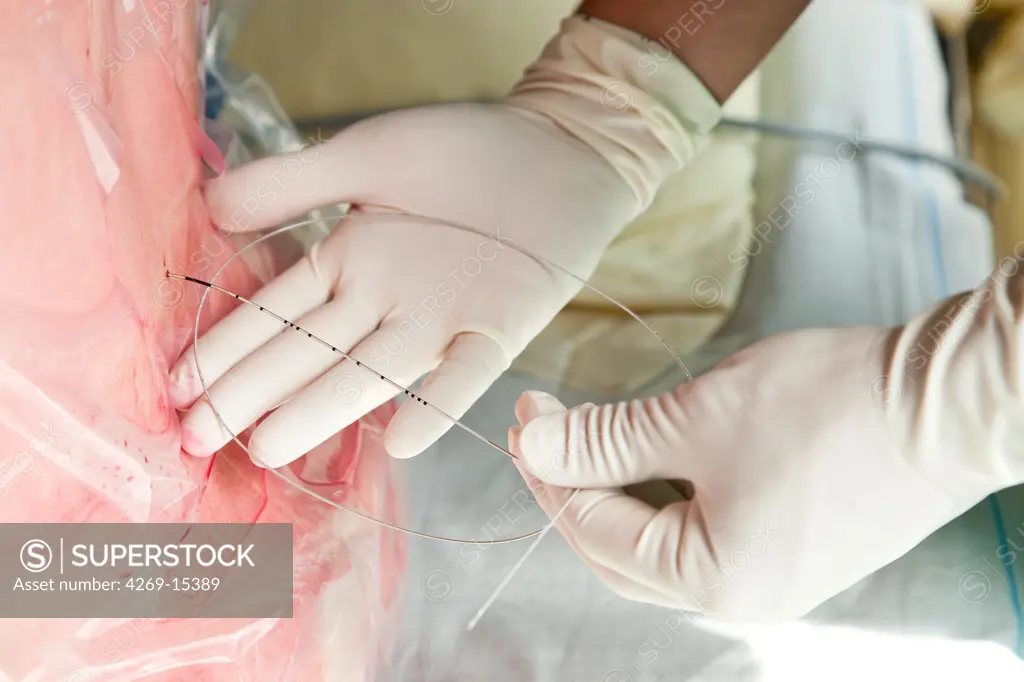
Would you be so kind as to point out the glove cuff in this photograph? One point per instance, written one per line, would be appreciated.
(956, 385)
(646, 114)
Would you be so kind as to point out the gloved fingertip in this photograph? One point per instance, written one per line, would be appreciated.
(399, 447)
(183, 386)
(538, 443)
(513, 440)
(265, 457)
(533, 404)
(201, 431)
(535, 485)
(271, 447)
(193, 445)
(397, 452)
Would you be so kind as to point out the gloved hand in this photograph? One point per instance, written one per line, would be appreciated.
(815, 458)
(557, 168)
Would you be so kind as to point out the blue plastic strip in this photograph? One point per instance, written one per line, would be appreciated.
(1000, 524)
(214, 97)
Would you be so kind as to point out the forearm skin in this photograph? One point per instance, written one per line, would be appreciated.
(721, 41)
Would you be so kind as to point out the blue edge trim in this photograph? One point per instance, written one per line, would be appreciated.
(938, 263)
(214, 97)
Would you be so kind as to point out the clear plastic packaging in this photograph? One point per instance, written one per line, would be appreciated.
(101, 119)
(243, 113)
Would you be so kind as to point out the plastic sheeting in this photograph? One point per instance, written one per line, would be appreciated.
(101, 198)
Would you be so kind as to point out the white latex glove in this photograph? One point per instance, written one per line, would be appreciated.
(816, 457)
(560, 167)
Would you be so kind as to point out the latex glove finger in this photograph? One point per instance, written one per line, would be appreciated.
(267, 192)
(656, 550)
(615, 581)
(473, 362)
(334, 401)
(661, 549)
(552, 499)
(604, 446)
(295, 293)
(266, 378)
